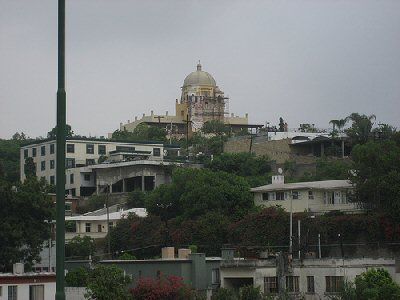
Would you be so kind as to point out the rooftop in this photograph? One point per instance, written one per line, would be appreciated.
(140, 212)
(321, 185)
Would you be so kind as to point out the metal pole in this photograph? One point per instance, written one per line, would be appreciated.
(319, 245)
(291, 225)
(60, 172)
(108, 223)
(298, 234)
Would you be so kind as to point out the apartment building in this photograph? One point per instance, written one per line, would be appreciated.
(81, 154)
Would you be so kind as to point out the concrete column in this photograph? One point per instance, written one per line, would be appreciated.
(322, 149)
(123, 185)
(143, 183)
(97, 189)
(342, 148)
(198, 273)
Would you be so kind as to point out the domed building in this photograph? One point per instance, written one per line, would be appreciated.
(201, 101)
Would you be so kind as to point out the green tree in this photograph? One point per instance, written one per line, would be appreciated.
(135, 199)
(10, 159)
(376, 175)
(29, 167)
(376, 284)
(107, 282)
(77, 277)
(194, 192)
(52, 134)
(22, 221)
(360, 130)
(80, 247)
(142, 132)
(215, 127)
(255, 169)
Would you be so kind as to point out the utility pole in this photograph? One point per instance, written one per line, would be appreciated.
(291, 225)
(108, 222)
(60, 172)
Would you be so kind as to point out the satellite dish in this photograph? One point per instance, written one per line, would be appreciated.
(280, 171)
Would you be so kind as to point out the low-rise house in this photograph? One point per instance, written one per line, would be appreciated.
(196, 270)
(22, 285)
(94, 224)
(308, 279)
(314, 196)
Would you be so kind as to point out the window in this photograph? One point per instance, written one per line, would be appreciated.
(328, 198)
(73, 192)
(70, 148)
(36, 292)
(101, 149)
(110, 225)
(52, 164)
(310, 195)
(89, 148)
(215, 279)
(70, 163)
(52, 180)
(156, 152)
(43, 150)
(12, 292)
(86, 177)
(292, 284)
(71, 178)
(280, 195)
(1, 291)
(310, 284)
(99, 228)
(333, 284)
(271, 285)
(51, 148)
(26, 153)
(34, 152)
(265, 196)
(87, 227)
(90, 162)
(42, 165)
(295, 195)
(125, 149)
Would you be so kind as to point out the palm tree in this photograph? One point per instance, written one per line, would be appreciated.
(360, 130)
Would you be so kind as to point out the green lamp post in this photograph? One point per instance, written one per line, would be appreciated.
(60, 179)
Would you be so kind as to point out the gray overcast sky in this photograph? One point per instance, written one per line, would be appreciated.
(307, 61)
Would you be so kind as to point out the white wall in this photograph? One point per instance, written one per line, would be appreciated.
(23, 290)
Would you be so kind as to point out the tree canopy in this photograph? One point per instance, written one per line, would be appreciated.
(22, 221)
(194, 192)
(376, 175)
(52, 134)
(142, 132)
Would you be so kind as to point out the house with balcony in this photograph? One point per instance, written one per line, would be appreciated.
(314, 196)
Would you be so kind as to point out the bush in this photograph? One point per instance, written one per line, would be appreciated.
(80, 247)
(169, 288)
(250, 292)
(376, 284)
(223, 294)
(77, 277)
(107, 282)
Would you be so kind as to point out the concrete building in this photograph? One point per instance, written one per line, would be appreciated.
(94, 224)
(201, 100)
(309, 279)
(81, 154)
(21, 285)
(315, 196)
(197, 270)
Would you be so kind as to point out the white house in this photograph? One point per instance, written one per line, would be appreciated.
(309, 279)
(94, 224)
(314, 196)
(20, 285)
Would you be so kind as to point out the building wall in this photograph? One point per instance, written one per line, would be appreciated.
(277, 150)
(80, 155)
(304, 203)
(23, 290)
(318, 268)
